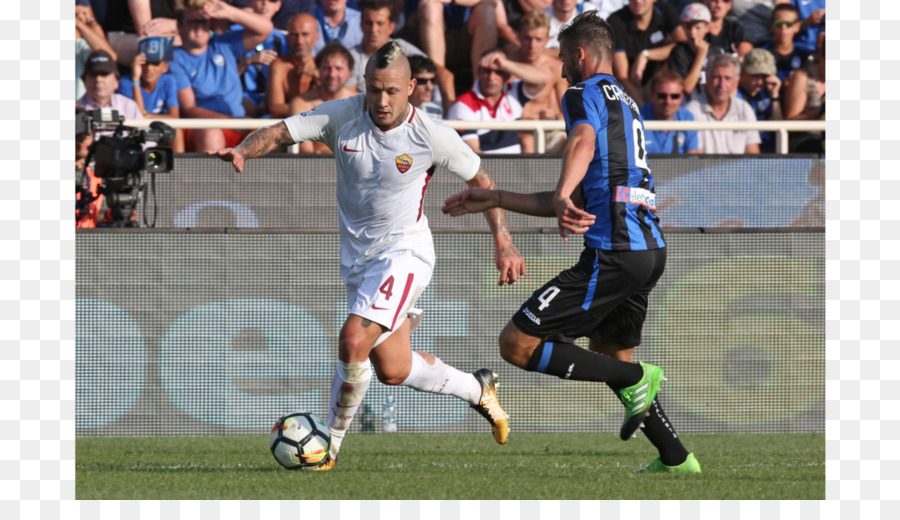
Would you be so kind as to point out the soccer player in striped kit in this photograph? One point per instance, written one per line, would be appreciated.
(386, 152)
(605, 192)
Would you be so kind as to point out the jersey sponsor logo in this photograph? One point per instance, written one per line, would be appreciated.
(530, 315)
(350, 149)
(637, 196)
(404, 163)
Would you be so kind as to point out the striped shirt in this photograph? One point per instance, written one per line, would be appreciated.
(618, 185)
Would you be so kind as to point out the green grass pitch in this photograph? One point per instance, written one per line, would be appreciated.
(465, 466)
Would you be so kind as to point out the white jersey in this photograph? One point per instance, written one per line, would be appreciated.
(382, 176)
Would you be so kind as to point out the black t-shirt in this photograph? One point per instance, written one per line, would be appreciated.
(787, 64)
(632, 40)
(731, 36)
(118, 16)
(682, 59)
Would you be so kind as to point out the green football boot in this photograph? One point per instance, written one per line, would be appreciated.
(637, 399)
(690, 465)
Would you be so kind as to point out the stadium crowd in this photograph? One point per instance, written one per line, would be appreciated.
(727, 60)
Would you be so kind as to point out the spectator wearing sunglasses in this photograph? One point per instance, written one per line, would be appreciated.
(424, 72)
(785, 25)
(666, 97)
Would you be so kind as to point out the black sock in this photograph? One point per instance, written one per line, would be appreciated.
(661, 434)
(569, 361)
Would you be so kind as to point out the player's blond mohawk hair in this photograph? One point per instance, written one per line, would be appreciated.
(387, 55)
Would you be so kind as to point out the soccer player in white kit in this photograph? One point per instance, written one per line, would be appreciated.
(386, 152)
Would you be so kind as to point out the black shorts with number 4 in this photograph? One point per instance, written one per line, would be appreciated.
(602, 297)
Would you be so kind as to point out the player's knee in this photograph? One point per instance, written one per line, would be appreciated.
(354, 347)
(511, 348)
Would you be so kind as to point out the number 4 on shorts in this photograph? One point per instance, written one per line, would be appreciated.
(387, 288)
(547, 296)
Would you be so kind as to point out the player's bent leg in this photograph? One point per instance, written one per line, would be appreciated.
(516, 347)
(396, 364)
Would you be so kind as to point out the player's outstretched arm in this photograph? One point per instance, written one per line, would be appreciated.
(256, 144)
(507, 258)
(477, 200)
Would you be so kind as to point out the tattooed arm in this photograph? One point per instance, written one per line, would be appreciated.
(506, 256)
(257, 144)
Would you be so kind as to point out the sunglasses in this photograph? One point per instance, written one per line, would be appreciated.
(779, 23)
(423, 81)
(662, 96)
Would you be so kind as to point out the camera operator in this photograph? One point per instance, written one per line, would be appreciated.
(101, 79)
(89, 203)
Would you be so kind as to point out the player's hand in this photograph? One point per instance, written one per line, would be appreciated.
(571, 218)
(232, 155)
(472, 200)
(510, 264)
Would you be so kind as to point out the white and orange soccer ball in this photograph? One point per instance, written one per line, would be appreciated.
(299, 440)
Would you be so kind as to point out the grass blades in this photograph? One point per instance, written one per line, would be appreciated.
(531, 466)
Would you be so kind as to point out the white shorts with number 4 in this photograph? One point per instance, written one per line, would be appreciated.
(385, 288)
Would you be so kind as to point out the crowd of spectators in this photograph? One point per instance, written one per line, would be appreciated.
(706, 60)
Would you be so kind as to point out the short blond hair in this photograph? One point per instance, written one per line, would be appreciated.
(536, 19)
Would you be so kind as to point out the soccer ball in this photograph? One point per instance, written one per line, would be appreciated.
(299, 440)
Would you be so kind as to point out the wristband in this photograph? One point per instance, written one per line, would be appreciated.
(646, 53)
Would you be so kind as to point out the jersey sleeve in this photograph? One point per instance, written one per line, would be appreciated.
(322, 122)
(449, 151)
(574, 109)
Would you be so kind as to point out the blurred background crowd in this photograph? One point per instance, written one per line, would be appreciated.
(727, 60)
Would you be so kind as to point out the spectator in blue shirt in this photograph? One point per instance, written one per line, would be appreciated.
(254, 64)
(666, 97)
(206, 70)
(812, 12)
(154, 91)
(339, 23)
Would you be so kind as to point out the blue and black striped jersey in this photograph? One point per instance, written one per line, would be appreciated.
(618, 186)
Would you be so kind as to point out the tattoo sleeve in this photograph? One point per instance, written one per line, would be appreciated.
(265, 140)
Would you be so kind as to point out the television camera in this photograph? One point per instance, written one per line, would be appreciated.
(121, 159)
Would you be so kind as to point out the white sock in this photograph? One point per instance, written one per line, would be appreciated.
(441, 378)
(348, 388)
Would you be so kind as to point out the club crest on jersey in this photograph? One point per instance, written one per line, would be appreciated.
(404, 163)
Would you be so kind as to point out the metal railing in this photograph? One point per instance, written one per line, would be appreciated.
(539, 127)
